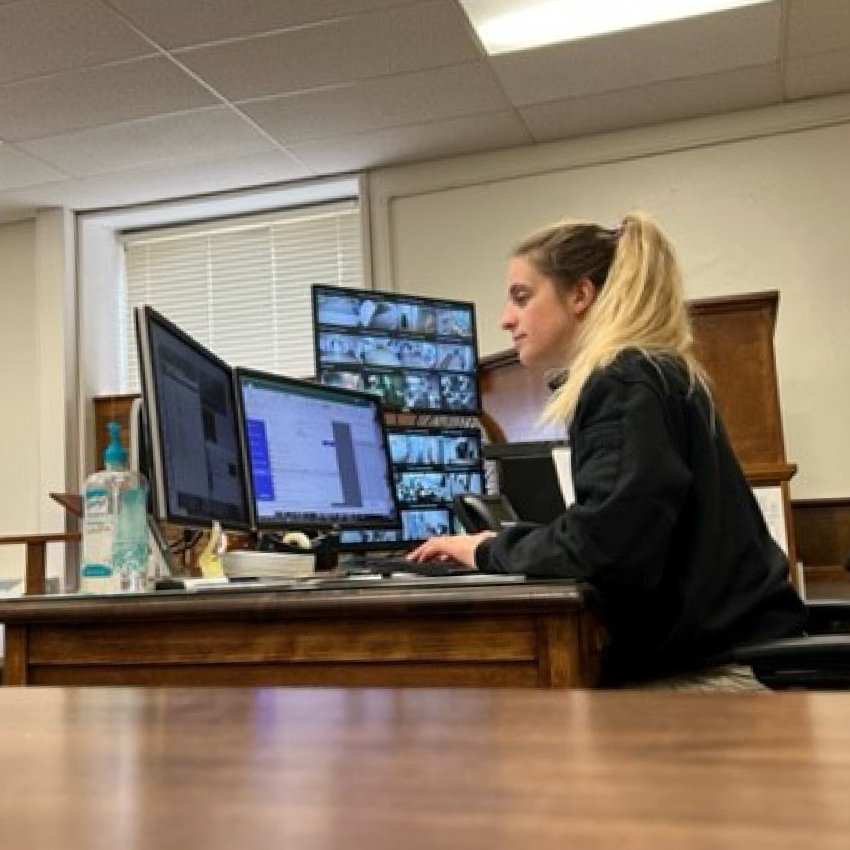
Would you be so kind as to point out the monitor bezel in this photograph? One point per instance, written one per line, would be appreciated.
(401, 544)
(144, 316)
(400, 298)
(305, 524)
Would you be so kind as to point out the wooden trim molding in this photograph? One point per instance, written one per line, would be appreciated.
(767, 300)
(761, 474)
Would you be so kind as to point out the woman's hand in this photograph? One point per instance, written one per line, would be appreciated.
(459, 547)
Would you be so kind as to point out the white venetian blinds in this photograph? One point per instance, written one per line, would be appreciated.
(242, 287)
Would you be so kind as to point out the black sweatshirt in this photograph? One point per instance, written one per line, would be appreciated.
(664, 526)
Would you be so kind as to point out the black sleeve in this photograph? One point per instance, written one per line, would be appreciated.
(630, 479)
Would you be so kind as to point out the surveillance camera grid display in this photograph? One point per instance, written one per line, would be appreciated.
(430, 467)
(418, 354)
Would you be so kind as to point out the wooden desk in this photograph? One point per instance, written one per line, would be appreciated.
(535, 634)
(125, 769)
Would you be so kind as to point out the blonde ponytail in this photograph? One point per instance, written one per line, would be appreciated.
(640, 303)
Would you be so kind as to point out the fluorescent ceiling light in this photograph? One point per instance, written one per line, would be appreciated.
(507, 25)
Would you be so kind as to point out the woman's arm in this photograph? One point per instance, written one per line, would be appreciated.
(631, 480)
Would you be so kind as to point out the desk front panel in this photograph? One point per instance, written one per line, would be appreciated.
(511, 639)
(398, 651)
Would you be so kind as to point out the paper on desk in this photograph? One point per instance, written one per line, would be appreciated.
(210, 561)
(773, 509)
(562, 458)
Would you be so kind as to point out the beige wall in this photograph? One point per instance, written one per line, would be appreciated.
(37, 435)
(754, 201)
(19, 446)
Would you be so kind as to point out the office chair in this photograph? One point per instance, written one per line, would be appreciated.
(820, 660)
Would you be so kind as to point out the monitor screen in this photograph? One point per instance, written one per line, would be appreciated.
(417, 354)
(430, 467)
(194, 454)
(317, 456)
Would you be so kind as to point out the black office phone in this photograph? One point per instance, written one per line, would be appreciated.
(477, 512)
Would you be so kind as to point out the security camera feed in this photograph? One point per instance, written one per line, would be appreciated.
(430, 466)
(417, 354)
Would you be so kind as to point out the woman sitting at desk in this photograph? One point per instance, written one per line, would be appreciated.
(664, 524)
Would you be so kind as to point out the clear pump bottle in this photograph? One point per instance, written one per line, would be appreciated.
(115, 530)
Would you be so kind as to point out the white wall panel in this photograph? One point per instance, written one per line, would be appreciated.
(19, 429)
(765, 212)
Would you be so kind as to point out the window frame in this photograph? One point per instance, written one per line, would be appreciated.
(100, 267)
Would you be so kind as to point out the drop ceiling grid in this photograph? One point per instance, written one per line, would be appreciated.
(120, 98)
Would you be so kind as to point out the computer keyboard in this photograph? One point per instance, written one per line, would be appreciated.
(389, 566)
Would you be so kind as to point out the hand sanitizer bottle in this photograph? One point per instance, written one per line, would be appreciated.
(115, 530)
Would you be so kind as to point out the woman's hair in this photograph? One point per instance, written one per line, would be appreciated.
(639, 304)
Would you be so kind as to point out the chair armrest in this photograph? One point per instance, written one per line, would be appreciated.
(828, 616)
(35, 578)
(822, 648)
(819, 661)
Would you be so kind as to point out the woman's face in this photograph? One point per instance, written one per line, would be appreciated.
(542, 321)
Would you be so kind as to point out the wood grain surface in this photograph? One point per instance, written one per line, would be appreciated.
(531, 634)
(315, 769)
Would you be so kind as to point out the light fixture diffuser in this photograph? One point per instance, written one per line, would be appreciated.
(505, 26)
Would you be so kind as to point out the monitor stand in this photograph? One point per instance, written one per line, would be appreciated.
(160, 554)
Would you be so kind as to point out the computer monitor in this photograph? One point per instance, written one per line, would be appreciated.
(195, 461)
(430, 466)
(418, 354)
(528, 478)
(317, 455)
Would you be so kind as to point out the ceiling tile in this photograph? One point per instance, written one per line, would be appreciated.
(708, 44)
(206, 134)
(179, 23)
(671, 100)
(151, 184)
(811, 76)
(347, 84)
(818, 26)
(410, 38)
(76, 100)
(70, 193)
(147, 185)
(19, 169)
(391, 101)
(413, 143)
(58, 35)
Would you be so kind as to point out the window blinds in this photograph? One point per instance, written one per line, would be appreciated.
(242, 287)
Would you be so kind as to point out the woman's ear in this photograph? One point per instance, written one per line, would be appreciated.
(584, 294)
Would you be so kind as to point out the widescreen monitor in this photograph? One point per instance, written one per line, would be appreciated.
(317, 456)
(430, 466)
(194, 454)
(418, 354)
